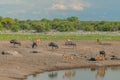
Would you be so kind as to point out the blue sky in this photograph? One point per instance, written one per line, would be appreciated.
(50, 9)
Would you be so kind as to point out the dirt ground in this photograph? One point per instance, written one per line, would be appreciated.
(30, 60)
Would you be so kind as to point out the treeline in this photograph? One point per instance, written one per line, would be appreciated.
(68, 24)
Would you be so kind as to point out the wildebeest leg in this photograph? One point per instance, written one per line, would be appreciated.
(74, 46)
(14, 43)
(34, 44)
(56, 47)
(19, 44)
(52, 47)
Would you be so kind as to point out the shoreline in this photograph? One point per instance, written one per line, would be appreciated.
(68, 67)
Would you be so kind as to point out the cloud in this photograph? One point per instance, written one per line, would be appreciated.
(40, 8)
(59, 6)
(45, 5)
(78, 5)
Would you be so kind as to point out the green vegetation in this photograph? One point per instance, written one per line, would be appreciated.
(36, 28)
(59, 36)
(61, 25)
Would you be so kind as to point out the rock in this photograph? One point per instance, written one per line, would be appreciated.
(92, 59)
(113, 57)
(14, 53)
(35, 51)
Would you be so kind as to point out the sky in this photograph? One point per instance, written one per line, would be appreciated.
(85, 10)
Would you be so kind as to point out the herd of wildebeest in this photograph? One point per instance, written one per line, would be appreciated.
(68, 42)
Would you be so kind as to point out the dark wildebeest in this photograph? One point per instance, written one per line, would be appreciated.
(34, 44)
(70, 43)
(102, 53)
(53, 45)
(92, 59)
(14, 41)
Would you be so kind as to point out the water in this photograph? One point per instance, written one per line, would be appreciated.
(79, 74)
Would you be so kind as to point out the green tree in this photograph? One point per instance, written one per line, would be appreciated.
(89, 28)
(7, 22)
(39, 26)
(15, 28)
(1, 27)
(55, 23)
(73, 19)
(66, 26)
(24, 26)
(1, 18)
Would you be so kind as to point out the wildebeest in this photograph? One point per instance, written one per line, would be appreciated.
(102, 53)
(92, 59)
(14, 41)
(53, 45)
(70, 43)
(35, 42)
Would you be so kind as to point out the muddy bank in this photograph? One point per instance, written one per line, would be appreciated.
(28, 60)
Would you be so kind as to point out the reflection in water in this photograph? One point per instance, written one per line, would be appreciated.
(52, 74)
(69, 74)
(102, 73)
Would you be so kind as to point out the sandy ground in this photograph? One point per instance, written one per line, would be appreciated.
(43, 58)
